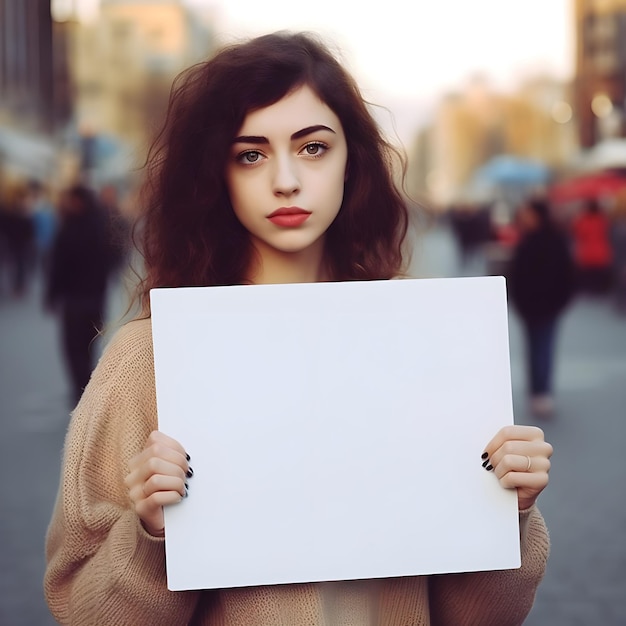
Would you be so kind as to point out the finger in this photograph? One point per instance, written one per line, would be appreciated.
(524, 449)
(158, 450)
(513, 433)
(154, 467)
(534, 482)
(521, 464)
(147, 507)
(150, 510)
(159, 482)
(147, 504)
(163, 450)
(156, 436)
(149, 491)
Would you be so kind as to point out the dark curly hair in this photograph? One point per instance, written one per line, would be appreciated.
(190, 235)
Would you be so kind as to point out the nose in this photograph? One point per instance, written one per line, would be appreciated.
(286, 180)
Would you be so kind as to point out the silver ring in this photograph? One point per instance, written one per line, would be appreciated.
(530, 462)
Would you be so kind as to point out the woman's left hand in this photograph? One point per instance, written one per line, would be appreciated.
(520, 458)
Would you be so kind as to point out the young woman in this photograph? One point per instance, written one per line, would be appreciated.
(269, 169)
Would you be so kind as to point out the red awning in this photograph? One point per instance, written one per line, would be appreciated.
(587, 187)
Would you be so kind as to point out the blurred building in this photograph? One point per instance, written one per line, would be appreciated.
(29, 94)
(123, 65)
(35, 99)
(472, 126)
(600, 85)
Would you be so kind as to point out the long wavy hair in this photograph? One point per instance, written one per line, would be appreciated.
(189, 233)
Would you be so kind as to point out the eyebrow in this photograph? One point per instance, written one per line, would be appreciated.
(297, 135)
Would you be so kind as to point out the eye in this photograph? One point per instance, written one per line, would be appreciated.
(314, 149)
(249, 157)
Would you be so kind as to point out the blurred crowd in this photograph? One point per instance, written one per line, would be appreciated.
(68, 246)
(594, 229)
(550, 254)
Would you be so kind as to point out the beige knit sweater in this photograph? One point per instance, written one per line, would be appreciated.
(104, 569)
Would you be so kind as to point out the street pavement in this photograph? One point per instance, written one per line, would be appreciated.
(584, 505)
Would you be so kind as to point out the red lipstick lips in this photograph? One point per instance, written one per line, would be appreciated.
(289, 217)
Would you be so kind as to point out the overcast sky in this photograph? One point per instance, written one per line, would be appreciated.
(406, 53)
(419, 47)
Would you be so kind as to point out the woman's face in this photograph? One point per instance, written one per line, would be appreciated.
(286, 172)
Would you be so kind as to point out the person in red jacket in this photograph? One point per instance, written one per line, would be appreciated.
(592, 249)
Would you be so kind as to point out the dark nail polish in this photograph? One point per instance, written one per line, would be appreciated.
(187, 457)
(189, 472)
(484, 455)
(186, 494)
(485, 463)
(489, 468)
(186, 486)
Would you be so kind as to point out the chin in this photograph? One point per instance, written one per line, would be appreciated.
(294, 244)
(292, 249)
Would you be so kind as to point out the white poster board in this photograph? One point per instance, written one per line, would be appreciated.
(335, 429)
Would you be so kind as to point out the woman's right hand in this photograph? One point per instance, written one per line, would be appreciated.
(157, 477)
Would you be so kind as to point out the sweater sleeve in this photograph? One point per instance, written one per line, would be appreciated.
(494, 598)
(102, 566)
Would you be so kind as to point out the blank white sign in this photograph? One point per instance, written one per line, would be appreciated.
(335, 429)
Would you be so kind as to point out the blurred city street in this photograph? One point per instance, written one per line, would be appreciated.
(584, 505)
(517, 152)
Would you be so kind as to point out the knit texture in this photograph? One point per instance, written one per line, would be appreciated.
(104, 569)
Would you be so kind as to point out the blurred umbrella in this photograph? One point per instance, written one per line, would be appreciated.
(509, 170)
(587, 187)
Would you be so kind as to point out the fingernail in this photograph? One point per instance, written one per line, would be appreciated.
(186, 486)
(187, 457)
(485, 463)
(189, 472)
(186, 493)
(484, 455)
(489, 468)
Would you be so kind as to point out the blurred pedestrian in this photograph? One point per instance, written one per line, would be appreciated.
(471, 226)
(77, 283)
(44, 218)
(592, 249)
(4, 244)
(618, 243)
(541, 284)
(270, 169)
(17, 233)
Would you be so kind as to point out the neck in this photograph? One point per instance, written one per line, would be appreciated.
(272, 266)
